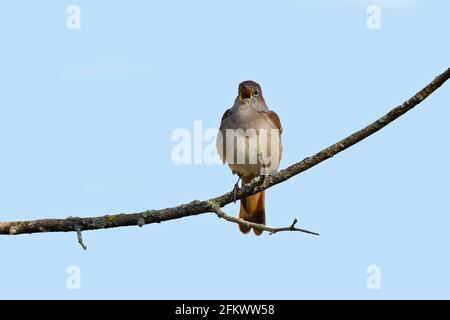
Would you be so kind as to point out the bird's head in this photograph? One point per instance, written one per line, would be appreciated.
(250, 91)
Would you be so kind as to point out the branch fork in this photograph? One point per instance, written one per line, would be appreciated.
(221, 214)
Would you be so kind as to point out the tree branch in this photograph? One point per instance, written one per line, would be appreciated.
(258, 226)
(199, 207)
(80, 239)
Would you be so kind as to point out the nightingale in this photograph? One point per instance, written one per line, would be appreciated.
(249, 141)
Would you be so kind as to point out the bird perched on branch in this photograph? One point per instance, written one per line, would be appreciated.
(249, 141)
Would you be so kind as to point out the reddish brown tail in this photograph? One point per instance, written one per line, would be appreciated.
(253, 210)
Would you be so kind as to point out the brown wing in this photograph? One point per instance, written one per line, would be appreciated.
(277, 123)
(225, 115)
(275, 120)
(221, 149)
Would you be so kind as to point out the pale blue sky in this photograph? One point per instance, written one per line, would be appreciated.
(86, 118)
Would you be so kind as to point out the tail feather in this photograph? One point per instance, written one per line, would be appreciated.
(253, 210)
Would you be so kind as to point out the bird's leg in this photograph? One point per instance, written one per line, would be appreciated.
(236, 189)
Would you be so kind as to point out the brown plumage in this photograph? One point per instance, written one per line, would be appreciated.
(253, 209)
(248, 113)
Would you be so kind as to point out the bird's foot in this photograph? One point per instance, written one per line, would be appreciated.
(236, 190)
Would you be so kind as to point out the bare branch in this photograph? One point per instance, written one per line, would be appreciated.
(199, 207)
(258, 226)
(80, 239)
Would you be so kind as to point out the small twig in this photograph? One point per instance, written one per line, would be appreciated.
(257, 226)
(80, 239)
(291, 228)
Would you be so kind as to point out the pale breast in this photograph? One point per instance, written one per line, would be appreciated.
(250, 143)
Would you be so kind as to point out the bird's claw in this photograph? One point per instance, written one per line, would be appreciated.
(235, 191)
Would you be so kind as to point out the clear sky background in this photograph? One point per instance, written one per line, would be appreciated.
(86, 118)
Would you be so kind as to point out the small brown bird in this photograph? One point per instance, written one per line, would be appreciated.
(249, 141)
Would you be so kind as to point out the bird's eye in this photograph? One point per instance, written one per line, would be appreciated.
(256, 93)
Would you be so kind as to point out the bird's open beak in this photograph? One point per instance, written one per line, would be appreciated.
(245, 93)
